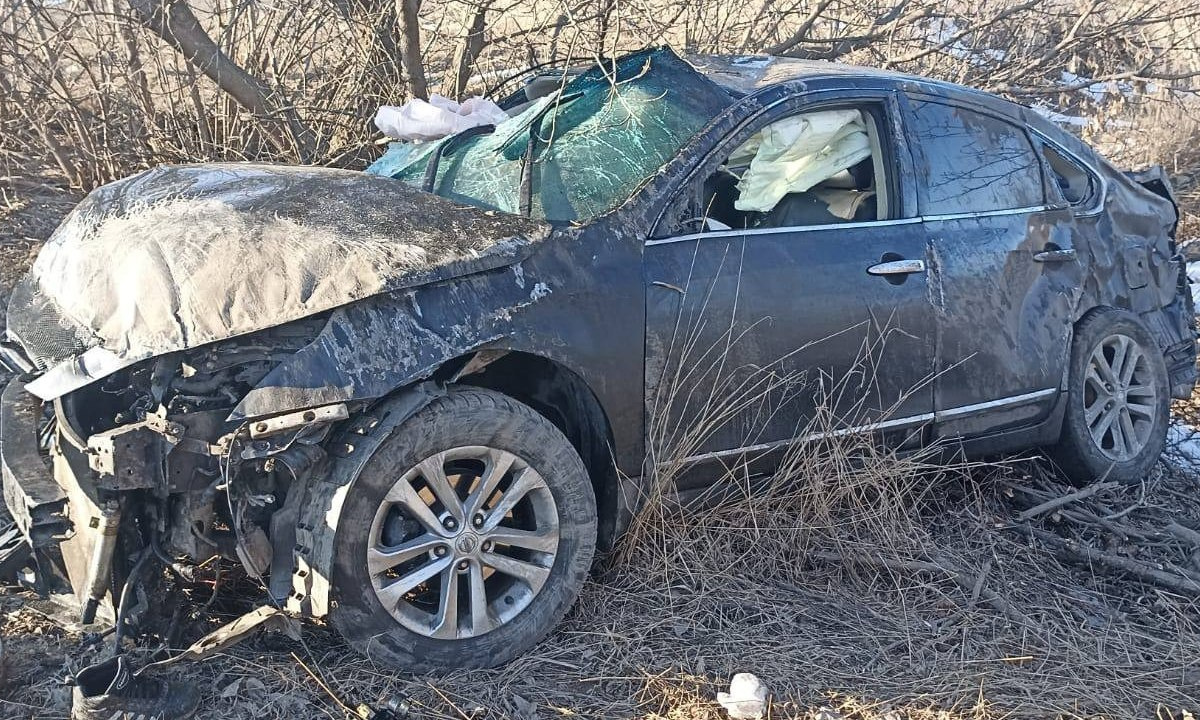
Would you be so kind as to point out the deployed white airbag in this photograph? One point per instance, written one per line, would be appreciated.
(796, 153)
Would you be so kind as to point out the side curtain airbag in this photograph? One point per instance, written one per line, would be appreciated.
(796, 153)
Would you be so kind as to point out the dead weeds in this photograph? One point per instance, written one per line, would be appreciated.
(955, 608)
(857, 584)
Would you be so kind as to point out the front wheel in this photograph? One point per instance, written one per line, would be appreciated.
(1117, 401)
(466, 537)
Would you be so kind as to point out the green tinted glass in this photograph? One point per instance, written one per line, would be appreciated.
(613, 128)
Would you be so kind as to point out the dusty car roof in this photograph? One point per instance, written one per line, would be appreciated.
(746, 74)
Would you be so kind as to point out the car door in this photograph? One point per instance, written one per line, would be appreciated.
(756, 337)
(1004, 267)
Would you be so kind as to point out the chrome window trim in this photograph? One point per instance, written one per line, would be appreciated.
(788, 229)
(983, 213)
(936, 416)
(733, 233)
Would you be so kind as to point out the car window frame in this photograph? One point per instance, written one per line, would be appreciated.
(887, 127)
(1095, 203)
(1017, 126)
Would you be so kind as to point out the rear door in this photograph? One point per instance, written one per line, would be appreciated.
(1003, 267)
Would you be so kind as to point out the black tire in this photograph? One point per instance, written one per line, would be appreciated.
(1078, 453)
(463, 417)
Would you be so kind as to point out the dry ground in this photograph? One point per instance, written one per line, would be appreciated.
(884, 589)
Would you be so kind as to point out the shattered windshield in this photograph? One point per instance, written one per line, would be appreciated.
(593, 143)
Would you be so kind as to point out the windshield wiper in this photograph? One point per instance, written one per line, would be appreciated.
(525, 198)
(458, 138)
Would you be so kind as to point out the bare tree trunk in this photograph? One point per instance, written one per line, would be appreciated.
(468, 52)
(174, 22)
(410, 51)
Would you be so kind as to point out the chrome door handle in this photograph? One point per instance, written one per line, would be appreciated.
(897, 267)
(1055, 256)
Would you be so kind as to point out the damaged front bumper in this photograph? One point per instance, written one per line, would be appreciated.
(89, 503)
(68, 523)
(37, 503)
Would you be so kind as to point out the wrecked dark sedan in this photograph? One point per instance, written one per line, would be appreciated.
(415, 401)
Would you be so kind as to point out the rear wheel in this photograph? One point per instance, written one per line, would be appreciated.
(1117, 403)
(465, 539)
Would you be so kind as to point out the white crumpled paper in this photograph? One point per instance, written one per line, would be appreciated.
(420, 120)
(746, 699)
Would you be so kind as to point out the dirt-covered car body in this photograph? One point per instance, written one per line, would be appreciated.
(209, 354)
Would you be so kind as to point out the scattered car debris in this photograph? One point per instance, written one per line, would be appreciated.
(267, 618)
(421, 120)
(395, 707)
(746, 699)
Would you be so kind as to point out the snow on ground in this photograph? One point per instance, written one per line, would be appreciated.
(1183, 446)
(1193, 273)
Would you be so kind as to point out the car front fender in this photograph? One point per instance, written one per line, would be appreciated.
(373, 347)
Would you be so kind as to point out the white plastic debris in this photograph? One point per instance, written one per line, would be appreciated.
(437, 118)
(746, 699)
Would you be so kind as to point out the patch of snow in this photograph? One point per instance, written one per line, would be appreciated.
(1097, 90)
(1183, 446)
(1193, 274)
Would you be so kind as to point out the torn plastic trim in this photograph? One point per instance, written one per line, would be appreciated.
(69, 375)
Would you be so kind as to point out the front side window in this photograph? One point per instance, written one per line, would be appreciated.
(971, 162)
(814, 168)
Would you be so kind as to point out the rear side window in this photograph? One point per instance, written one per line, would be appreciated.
(1076, 183)
(971, 162)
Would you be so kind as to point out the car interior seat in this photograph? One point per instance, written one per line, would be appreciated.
(848, 196)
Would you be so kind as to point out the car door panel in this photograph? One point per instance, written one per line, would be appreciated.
(759, 338)
(1004, 270)
(1004, 318)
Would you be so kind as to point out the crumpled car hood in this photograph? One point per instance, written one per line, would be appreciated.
(182, 256)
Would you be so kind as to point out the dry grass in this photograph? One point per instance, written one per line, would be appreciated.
(759, 585)
(856, 583)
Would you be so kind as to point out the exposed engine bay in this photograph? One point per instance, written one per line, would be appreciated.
(159, 470)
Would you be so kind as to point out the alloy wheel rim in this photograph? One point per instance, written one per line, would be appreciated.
(463, 542)
(1120, 398)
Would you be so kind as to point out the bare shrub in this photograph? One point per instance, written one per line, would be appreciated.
(97, 89)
